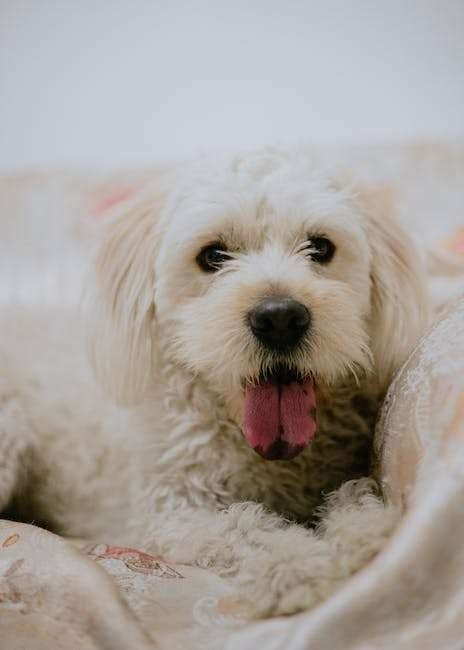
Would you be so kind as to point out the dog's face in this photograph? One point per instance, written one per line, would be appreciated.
(264, 280)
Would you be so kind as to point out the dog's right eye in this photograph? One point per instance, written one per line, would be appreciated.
(212, 257)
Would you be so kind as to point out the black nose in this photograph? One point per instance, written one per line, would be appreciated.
(279, 323)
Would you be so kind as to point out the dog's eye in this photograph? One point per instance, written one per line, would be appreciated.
(320, 249)
(212, 257)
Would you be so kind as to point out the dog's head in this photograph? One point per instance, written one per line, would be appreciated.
(266, 277)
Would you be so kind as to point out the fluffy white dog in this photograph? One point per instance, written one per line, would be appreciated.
(247, 315)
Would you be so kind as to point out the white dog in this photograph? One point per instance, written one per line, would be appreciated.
(247, 315)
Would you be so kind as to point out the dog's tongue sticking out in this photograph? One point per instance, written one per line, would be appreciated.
(280, 418)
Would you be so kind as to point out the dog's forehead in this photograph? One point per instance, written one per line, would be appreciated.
(248, 201)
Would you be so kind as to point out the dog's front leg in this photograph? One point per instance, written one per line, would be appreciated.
(17, 448)
(300, 568)
(279, 567)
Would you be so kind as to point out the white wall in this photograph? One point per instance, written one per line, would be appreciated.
(110, 82)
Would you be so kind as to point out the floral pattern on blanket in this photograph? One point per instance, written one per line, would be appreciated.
(132, 559)
(50, 589)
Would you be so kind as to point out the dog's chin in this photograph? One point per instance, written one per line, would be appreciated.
(279, 413)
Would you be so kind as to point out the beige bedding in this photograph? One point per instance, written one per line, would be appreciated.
(58, 594)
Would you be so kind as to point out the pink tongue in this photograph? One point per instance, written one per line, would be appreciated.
(279, 420)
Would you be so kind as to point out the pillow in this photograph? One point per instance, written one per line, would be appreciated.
(423, 413)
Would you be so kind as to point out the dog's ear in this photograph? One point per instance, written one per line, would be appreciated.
(120, 303)
(399, 303)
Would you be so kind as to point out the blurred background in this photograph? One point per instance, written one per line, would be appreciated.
(111, 83)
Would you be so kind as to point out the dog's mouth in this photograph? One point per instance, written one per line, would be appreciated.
(280, 414)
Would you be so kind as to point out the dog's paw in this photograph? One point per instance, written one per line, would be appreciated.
(286, 581)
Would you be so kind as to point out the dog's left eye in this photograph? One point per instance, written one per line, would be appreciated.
(212, 257)
(320, 249)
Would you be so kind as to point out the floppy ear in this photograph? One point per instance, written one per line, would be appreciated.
(399, 301)
(121, 302)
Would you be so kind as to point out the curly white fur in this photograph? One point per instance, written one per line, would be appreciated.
(169, 469)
